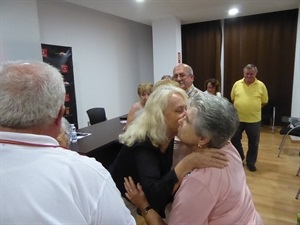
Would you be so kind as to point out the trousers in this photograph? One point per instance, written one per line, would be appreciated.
(253, 134)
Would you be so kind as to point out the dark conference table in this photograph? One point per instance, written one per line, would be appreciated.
(103, 143)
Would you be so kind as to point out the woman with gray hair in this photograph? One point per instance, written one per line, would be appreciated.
(147, 153)
(207, 196)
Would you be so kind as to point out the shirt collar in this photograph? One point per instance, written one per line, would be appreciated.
(28, 138)
(190, 89)
(255, 81)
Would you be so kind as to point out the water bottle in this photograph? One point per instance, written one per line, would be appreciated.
(73, 133)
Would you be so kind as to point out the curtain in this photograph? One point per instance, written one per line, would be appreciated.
(201, 49)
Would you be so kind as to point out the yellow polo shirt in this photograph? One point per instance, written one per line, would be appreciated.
(248, 100)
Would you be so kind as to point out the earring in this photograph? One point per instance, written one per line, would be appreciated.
(199, 146)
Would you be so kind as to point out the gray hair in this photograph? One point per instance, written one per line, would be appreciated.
(31, 94)
(187, 67)
(151, 121)
(216, 118)
(251, 67)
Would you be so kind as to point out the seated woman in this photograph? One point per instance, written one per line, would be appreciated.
(207, 196)
(64, 136)
(144, 90)
(212, 86)
(147, 153)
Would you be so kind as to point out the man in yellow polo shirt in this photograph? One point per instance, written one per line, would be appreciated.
(248, 96)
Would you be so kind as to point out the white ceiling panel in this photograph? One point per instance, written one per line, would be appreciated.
(187, 11)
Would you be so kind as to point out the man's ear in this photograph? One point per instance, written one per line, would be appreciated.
(193, 77)
(60, 115)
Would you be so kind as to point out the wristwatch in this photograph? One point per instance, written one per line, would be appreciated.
(144, 211)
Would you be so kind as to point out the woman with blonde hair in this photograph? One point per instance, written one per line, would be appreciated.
(165, 82)
(206, 196)
(144, 90)
(147, 153)
(64, 135)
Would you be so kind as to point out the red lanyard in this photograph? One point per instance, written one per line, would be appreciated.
(29, 144)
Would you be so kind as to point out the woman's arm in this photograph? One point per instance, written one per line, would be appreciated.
(131, 115)
(159, 186)
(136, 195)
(199, 159)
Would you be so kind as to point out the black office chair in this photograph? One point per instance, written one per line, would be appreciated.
(293, 128)
(96, 115)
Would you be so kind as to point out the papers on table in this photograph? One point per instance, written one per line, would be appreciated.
(123, 121)
(82, 135)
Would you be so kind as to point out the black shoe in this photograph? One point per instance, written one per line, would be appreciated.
(252, 168)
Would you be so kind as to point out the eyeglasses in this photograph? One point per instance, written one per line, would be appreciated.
(181, 76)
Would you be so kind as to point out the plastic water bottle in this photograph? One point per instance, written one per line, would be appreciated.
(73, 133)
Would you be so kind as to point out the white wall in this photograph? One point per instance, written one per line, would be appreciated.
(111, 56)
(166, 45)
(17, 38)
(296, 89)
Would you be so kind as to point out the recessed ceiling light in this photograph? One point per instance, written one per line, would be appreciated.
(233, 11)
(140, 0)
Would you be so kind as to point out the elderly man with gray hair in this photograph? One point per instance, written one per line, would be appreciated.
(41, 182)
(184, 75)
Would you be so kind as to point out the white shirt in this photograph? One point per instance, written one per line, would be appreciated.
(217, 93)
(52, 185)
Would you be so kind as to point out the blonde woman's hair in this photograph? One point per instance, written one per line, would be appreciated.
(165, 82)
(151, 121)
(64, 135)
(144, 87)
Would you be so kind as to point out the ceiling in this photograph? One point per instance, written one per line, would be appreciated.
(187, 11)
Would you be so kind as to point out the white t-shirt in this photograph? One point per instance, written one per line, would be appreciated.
(52, 185)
